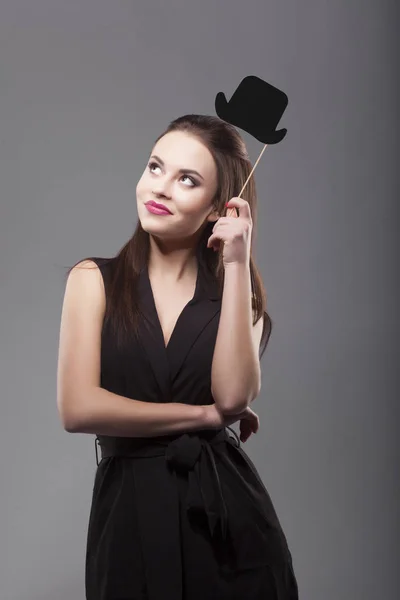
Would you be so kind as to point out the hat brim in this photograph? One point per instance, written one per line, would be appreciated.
(271, 137)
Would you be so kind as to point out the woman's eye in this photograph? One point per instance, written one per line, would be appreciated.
(190, 179)
(152, 164)
(193, 182)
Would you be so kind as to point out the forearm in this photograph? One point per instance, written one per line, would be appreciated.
(235, 373)
(106, 413)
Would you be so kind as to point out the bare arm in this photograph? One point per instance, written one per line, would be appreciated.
(106, 413)
(236, 373)
(83, 405)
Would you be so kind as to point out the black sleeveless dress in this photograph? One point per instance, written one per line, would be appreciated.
(184, 516)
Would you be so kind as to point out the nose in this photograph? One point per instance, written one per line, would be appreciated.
(160, 195)
(161, 189)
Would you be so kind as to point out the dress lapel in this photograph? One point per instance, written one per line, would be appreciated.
(196, 315)
(151, 336)
(198, 312)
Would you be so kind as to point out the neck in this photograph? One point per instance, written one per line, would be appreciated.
(175, 263)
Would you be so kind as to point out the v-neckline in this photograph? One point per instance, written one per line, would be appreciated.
(167, 360)
(183, 311)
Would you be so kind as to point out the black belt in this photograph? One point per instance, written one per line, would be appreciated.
(185, 454)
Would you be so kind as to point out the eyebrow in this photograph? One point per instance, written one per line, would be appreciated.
(180, 170)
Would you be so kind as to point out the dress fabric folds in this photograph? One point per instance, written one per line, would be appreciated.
(183, 516)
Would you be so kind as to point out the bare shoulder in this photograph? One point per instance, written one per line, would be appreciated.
(85, 279)
(80, 339)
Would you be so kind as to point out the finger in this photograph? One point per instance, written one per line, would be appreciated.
(244, 436)
(213, 242)
(245, 430)
(218, 234)
(232, 212)
(221, 221)
(242, 206)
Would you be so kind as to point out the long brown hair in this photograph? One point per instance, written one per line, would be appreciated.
(233, 167)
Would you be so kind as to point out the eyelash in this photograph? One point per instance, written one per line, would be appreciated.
(154, 164)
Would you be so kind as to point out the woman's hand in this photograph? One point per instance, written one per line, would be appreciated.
(234, 232)
(249, 420)
(249, 423)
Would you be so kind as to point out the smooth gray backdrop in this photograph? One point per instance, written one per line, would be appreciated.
(86, 86)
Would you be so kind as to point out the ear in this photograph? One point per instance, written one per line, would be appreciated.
(213, 216)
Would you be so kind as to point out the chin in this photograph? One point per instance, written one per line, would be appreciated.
(153, 228)
(152, 222)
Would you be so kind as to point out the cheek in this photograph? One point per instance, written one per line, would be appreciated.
(141, 188)
(140, 182)
(192, 204)
(144, 180)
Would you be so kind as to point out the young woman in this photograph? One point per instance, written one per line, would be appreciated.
(159, 353)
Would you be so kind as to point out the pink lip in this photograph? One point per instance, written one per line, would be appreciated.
(156, 208)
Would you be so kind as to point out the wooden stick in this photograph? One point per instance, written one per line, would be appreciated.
(252, 171)
(233, 211)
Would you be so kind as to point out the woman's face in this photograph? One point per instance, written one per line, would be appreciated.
(169, 180)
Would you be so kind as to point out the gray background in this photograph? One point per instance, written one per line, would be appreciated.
(85, 89)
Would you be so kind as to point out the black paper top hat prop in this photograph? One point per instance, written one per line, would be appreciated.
(256, 107)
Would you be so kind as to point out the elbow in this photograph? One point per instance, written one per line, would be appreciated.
(69, 429)
(75, 422)
(72, 425)
(68, 417)
(69, 424)
(66, 423)
(234, 406)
